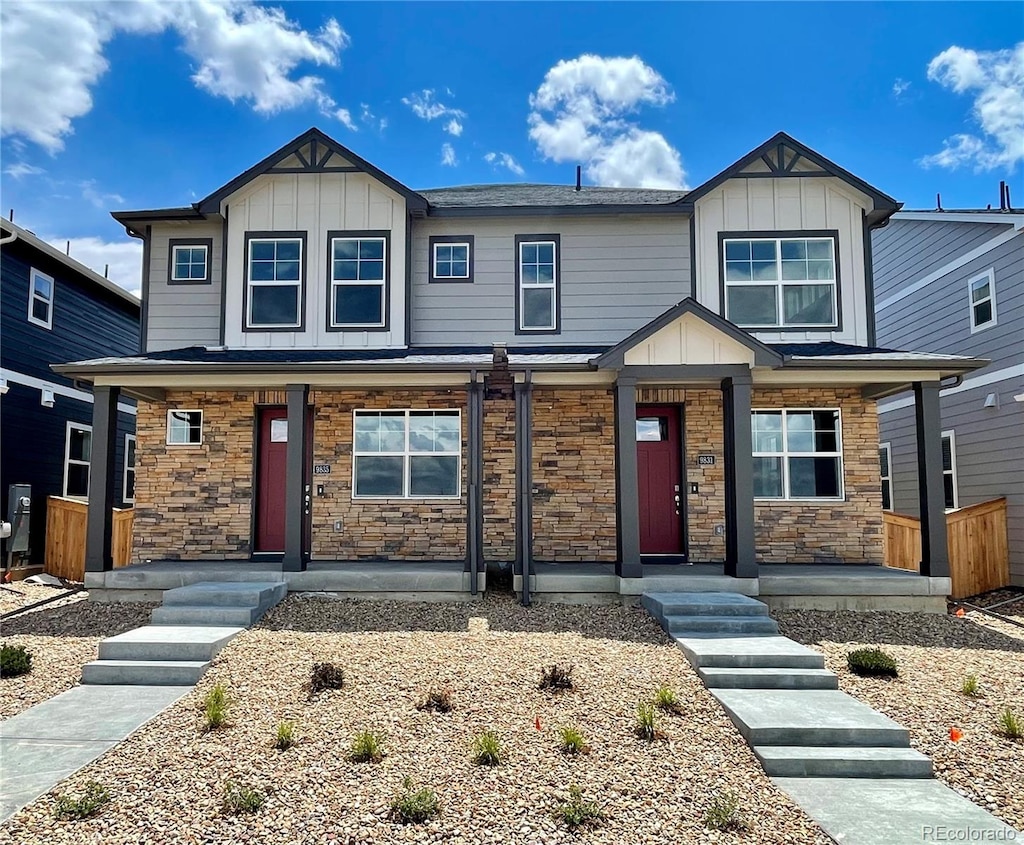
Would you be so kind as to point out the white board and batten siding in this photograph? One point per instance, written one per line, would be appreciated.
(315, 203)
(617, 274)
(182, 315)
(788, 204)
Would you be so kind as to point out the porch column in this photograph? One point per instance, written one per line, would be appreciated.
(474, 472)
(934, 546)
(740, 559)
(524, 485)
(102, 481)
(297, 493)
(628, 493)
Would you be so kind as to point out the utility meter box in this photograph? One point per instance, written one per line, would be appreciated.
(19, 515)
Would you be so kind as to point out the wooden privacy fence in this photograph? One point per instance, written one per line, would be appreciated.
(65, 537)
(979, 553)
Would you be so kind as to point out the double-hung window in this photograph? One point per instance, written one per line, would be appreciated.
(77, 455)
(982, 290)
(40, 299)
(885, 474)
(274, 279)
(537, 280)
(798, 454)
(189, 261)
(949, 485)
(407, 454)
(358, 276)
(781, 282)
(129, 469)
(451, 258)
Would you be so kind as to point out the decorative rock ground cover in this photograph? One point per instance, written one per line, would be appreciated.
(167, 781)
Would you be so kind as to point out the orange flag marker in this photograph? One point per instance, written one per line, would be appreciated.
(536, 722)
(955, 734)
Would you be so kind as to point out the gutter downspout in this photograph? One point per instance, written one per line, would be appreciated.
(473, 509)
(7, 239)
(524, 474)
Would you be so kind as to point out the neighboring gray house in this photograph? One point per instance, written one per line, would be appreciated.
(953, 281)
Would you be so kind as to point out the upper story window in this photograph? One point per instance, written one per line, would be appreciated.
(358, 275)
(40, 299)
(982, 290)
(274, 273)
(537, 281)
(781, 282)
(451, 258)
(189, 261)
(798, 454)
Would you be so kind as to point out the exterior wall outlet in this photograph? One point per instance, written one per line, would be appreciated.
(719, 530)
(337, 525)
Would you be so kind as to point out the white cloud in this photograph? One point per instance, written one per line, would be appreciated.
(98, 198)
(21, 169)
(367, 116)
(899, 87)
(53, 55)
(996, 81)
(581, 113)
(345, 116)
(505, 160)
(448, 155)
(124, 258)
(453, 127)
(425, 106)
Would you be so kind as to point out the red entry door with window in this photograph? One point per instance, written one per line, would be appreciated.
(659, 476)
(272, 469)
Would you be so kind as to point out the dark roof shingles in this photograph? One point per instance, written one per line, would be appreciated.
(527, 195)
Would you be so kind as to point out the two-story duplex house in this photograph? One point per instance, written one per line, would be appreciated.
(54, 309)
(337, 368)
(953, 280)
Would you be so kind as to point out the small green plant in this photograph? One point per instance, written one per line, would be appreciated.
(436, 701)
(572, 741)
(239, 798)
(325, 676)
(724, 812)
(487, 750)
(576, 811)
(216, 705)
(87, 803)
(872, 662)
(666, 699)
(14, 660)
(556, 677)
(1010, 725)
(412, 806)
(285, 738)
(366, 747)
(646, 722)
(970, 686)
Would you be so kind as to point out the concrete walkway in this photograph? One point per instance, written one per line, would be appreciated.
(848, 766)
(53, 740)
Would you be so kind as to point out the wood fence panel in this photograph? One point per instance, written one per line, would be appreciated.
(66, 521)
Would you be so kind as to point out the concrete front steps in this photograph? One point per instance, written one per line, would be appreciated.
(194, 623)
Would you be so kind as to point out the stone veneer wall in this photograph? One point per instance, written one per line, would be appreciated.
(499, 480)
(574, 514)
(395, 529)
(194, 502)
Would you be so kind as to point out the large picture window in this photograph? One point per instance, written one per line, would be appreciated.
(274, 276)
(537, 280)
(358, 274)
(798, 454)
(781, 282)
(77, 455)
(407, 454)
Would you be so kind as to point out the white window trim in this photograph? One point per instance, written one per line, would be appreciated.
(990, 276)
(779, 284)
(951, 434)
(552, 286)
(251, 283)
(174, 262)
(33, 296)
(185, 411)
(382, 283)
(406, 454)
(436, 275)
(129, 438)
(786, 455)
(73, 426)
(887, 479)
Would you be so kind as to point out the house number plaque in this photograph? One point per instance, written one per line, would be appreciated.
(321, 469)
(705, 460)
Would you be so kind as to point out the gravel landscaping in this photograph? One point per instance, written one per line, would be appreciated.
(61, 637)
(935, 654)
(167, 781)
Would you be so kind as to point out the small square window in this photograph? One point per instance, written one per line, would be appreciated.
(451, 258)
(982, 290)
(184, 428)
(40, 299)
(189, 262)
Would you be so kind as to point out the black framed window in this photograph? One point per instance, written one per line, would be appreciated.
(537, 284)
(275, 274)
(451, 258)
(358, 273)
(798, 454)
(188, 261)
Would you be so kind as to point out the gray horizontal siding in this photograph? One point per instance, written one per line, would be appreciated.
(183, 315)
(616, 275)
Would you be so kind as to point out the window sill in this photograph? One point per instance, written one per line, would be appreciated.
(790, 501)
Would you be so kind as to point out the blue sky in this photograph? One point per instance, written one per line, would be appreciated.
(151, 104)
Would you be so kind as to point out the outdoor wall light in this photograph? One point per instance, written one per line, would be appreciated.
(46, 398)
(3, 386)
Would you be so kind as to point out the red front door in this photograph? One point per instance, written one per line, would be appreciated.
(659, 474)
(272, 469)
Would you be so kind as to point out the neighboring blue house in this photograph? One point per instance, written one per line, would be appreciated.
(52, 310)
